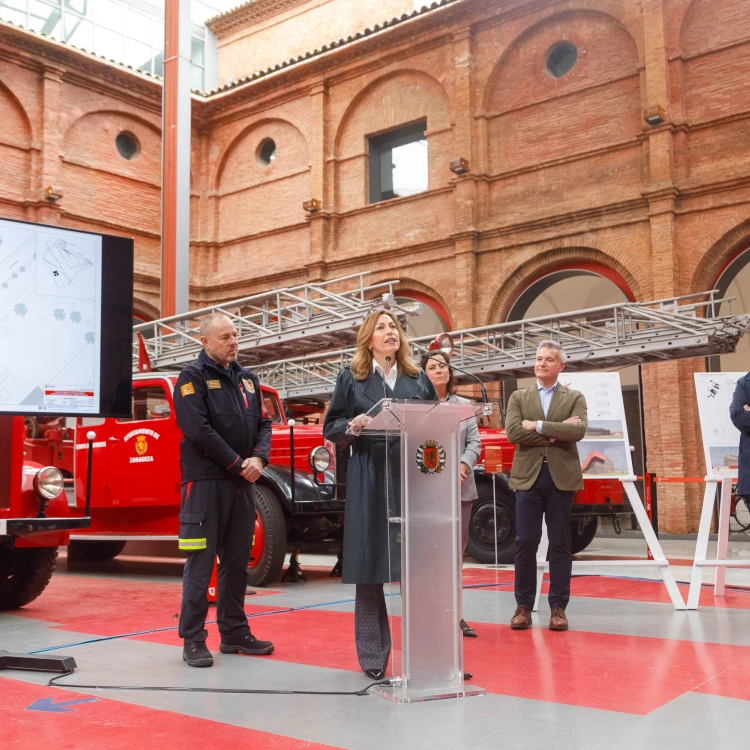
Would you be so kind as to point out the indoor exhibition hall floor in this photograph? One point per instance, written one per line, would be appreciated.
(631, 672)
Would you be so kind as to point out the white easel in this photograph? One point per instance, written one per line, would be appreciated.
(714, 392)
(659, 561)
(701, 546)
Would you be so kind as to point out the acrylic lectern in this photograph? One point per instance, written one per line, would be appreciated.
(423, 448)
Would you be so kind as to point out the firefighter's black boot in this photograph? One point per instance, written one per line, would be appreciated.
(196, 654)
(245, 644)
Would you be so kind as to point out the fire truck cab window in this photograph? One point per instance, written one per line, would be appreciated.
(273, 409)
(149, 402)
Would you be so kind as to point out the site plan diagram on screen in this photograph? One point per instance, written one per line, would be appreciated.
(50, 289)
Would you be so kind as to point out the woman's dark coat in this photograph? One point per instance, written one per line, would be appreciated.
(366, 528)
(741, 420)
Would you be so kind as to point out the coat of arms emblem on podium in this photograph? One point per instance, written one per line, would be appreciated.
(431, 457)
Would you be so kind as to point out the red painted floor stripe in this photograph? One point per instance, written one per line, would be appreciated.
(734, 683)
(108, 723)
(630, 674)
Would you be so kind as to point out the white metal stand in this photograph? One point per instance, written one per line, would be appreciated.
(701, 546)
(659, 561)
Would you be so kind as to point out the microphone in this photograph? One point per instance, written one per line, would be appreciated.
(465, 372)
(385, 392)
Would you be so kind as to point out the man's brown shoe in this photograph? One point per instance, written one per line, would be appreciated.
(521, 619)
(558, 620)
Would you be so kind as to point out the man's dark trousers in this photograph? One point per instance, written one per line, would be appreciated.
(221, 512)
(543, 499)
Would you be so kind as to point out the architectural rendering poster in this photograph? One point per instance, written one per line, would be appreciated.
(721, 439)
(605, 451)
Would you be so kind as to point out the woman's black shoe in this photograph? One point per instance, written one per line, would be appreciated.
(467, 630)
(375, 674)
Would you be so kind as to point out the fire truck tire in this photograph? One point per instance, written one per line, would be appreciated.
(481, 544)
(580, 538)
(269, 535)
(24, 574)
(98, 551)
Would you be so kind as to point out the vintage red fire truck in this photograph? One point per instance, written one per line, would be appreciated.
(135, 486)
(34, 519)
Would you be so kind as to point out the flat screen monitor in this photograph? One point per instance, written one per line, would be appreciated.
(66, 321)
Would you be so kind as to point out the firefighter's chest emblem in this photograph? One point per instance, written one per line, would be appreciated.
(431, 457)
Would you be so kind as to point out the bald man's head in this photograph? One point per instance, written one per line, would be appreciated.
(219, 338)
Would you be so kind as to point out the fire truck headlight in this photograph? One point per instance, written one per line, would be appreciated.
(48, 482)
(320, 459)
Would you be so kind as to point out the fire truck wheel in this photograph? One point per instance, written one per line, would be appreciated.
(24, 574)
(482, 531)
(98, 551)
(580, 538)
(269, 540)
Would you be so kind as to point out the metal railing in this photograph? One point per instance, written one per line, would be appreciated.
(619, 335)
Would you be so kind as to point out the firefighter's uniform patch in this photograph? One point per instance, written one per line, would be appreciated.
(187, 389)
(249, 385)
(213, 384)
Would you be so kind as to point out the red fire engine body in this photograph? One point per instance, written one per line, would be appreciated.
(135, 486)
(34, 519)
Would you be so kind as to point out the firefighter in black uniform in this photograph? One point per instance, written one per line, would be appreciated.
(226, 444)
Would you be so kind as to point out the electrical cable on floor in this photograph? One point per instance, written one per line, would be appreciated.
(229, 691)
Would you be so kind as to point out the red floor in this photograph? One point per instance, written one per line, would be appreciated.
(105, 723)
(631, 674)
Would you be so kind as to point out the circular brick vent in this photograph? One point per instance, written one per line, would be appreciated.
(127, 145)
(266, 152)
(561, 59)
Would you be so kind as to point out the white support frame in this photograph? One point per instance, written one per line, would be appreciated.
(659, 561)
(701, 545)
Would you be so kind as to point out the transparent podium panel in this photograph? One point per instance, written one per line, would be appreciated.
(422, 443)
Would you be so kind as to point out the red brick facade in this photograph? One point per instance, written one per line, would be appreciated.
(562, 170)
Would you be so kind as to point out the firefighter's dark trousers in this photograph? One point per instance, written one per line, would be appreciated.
(216, 517)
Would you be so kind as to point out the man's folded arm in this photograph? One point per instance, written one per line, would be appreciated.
(569, 433)
(515, 431)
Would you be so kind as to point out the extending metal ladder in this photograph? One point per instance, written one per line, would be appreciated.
(291, 321)
(615, 336)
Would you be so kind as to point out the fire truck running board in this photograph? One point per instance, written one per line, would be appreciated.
(296, 321)
(629, 333)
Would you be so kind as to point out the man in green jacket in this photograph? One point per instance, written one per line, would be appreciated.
(545, 422)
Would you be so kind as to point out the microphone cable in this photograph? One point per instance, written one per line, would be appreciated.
(228, 691)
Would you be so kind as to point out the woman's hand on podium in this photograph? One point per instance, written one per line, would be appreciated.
(359, 422)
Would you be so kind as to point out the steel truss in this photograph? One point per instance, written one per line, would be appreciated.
(284, 322)
(616, 336)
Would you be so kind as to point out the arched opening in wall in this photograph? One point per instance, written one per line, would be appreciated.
(432, 320)
(734, 283)
(583, 288)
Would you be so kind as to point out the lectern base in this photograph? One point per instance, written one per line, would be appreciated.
(401, 694)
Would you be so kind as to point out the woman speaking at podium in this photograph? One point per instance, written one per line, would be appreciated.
(382, 367)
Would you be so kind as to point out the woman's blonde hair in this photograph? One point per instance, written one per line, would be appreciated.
(361, 364)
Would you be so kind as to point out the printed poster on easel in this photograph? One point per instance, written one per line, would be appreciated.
(721, 439)
(605, 451)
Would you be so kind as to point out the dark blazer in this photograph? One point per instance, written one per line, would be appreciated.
(741, 420)
(367, 537)
(531, 447)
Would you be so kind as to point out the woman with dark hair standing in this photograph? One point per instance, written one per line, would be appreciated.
(438, 369)
(382, 366)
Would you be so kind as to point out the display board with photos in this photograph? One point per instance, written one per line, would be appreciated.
(721, 439)
(605, 450)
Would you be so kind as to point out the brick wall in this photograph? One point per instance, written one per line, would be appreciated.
(562, 171)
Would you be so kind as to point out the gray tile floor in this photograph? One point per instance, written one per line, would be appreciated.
(691, 721)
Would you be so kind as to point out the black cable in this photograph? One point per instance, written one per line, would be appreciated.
(238, 691)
